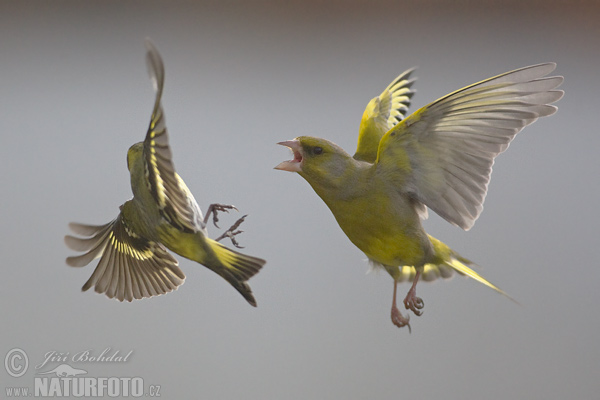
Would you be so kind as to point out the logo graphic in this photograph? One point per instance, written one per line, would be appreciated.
(62, 380)
(16, 362)
(64, 371)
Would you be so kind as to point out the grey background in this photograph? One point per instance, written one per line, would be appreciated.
(241, 76)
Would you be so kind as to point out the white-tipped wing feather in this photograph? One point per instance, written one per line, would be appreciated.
(442, 155)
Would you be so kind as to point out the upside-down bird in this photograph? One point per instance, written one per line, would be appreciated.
(163, 214)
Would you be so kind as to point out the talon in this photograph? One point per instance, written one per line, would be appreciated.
(411, 301)
(419, 303)
(400, 320)
(231, 233)
(415, 304)
(397, 318)
(213, 208)
(237, 224)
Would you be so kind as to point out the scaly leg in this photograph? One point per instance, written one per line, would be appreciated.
(411, 301)
(213, 208)
(397, 318)
(231, 232)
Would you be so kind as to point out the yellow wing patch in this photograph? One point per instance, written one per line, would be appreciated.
(381, 114)
(174, 201)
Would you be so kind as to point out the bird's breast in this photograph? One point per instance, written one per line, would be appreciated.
(385, 227)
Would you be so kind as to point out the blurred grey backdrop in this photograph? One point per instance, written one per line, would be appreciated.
(241, 76)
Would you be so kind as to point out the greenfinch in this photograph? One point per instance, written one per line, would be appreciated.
(440, 157)
(163, 214)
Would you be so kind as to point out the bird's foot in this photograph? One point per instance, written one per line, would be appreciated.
(231, 232)
(400, 320)
(214, 208)
(414, 303)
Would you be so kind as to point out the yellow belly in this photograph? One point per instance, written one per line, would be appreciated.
(189, 245)
(387, 231)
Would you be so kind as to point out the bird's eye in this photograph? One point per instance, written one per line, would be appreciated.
(318, 150)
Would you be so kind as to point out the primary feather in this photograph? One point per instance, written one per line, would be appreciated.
(450, 144)
(439, 157)
(382, 114)
(134, 261)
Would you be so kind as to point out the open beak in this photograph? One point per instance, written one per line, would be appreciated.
(294, 165)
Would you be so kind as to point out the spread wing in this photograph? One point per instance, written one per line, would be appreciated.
(176, 203)
(442, 154)
(130, 266)
(382, 113)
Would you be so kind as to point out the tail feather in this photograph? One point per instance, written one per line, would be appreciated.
(460, 265)
(446, 262)
(237, 268)
(446, 270)
(430, 272)
(448, 259)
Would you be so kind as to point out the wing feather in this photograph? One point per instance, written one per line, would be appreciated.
(382, 113)
(450, 145)
(175, 201)
(130, 267)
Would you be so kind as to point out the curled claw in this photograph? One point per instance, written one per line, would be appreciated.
(231, 232)
(400, 320)
(233, 240)
(237, 224)
(411, 301)
(214, 208)
(397, 318)
(415, 304)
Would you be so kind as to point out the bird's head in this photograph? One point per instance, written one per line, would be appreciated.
(319, 161)
(134, 153)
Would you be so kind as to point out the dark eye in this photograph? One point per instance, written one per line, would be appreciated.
(317, 150)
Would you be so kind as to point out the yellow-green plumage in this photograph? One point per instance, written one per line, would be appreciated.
(162, 214)
(439, 157)
(382, 113)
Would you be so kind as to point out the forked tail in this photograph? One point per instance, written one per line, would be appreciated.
(236, 268)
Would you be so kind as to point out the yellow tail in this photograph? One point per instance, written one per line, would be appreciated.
(448, 261)
(458, 263)
(236, 268)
